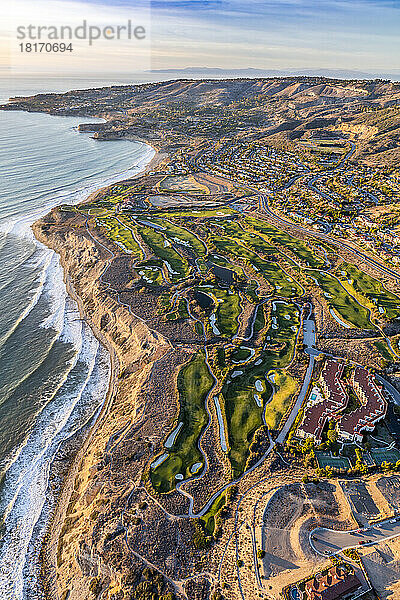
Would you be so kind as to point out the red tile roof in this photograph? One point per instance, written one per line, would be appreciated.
(373, 406)
(332, 586)
(316, 416)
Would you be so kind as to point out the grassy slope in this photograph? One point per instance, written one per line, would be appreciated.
(299, 248)
(156, 242)
(344, 304)
(285, 387)
(227, 312)
(372, 288)
(120, 234)
(243, 415)
(194, 383)
(272, 272)
(175, 231)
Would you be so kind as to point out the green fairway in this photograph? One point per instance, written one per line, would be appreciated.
(385, 302)
(243, 414)
(195, 213)
(285, 387)
(120, 235)
(229, 227)
(222, 261)
(241, 354)
(150, 270)
(224, 320)
(281, 336)
(209, 518)
(282, 282)
(179, 234)
(259, 321)
(194, 384)
(180, 311)
(246, 391)
(383, 350)
(343, 303)
(97, 211)
(177, 266)
(149, 274)
(298, 247)
(228, 311)
(260, 245)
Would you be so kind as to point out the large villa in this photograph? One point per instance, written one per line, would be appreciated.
(336, 583)
(373, 407)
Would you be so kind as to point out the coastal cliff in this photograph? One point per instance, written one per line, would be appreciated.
(86, 518)
(213, 297)
(84, 262)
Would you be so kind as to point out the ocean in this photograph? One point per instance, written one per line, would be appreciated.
(53, 372)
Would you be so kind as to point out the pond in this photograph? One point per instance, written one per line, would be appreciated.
(204, 300)
(223, 273)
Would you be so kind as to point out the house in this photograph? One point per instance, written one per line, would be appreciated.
(325, 405)
(337, 584)
(373, 407)
(329, 398)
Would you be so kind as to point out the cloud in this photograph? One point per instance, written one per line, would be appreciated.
(119, 50)
(355, 34)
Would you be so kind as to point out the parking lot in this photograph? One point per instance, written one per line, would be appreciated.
(326, 541)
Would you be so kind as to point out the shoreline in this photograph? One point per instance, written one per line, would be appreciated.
(47, 556)
(46, 576)
(34, 303)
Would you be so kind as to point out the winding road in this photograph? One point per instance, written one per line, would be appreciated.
(328, 541)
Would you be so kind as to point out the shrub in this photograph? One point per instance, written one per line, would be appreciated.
(200, 539)
(95, 586)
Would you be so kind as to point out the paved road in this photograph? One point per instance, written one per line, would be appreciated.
(327, 541)
(309, 332)
(300, 399)
(309, 340)
(338, 243)
(315, 352)
(390, 389)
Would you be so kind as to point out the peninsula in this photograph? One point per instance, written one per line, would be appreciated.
(247, 287)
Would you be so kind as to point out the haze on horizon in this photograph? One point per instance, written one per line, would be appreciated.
(283, 35)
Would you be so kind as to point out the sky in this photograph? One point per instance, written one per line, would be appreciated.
(278, 34)
(360, 35)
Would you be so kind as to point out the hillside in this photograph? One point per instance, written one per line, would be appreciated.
(282, 110)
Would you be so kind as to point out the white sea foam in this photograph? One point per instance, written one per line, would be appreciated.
(73, 332)
(32, 301)
(20, 225)
(56, 294)
(26, 479)
(69, 402)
